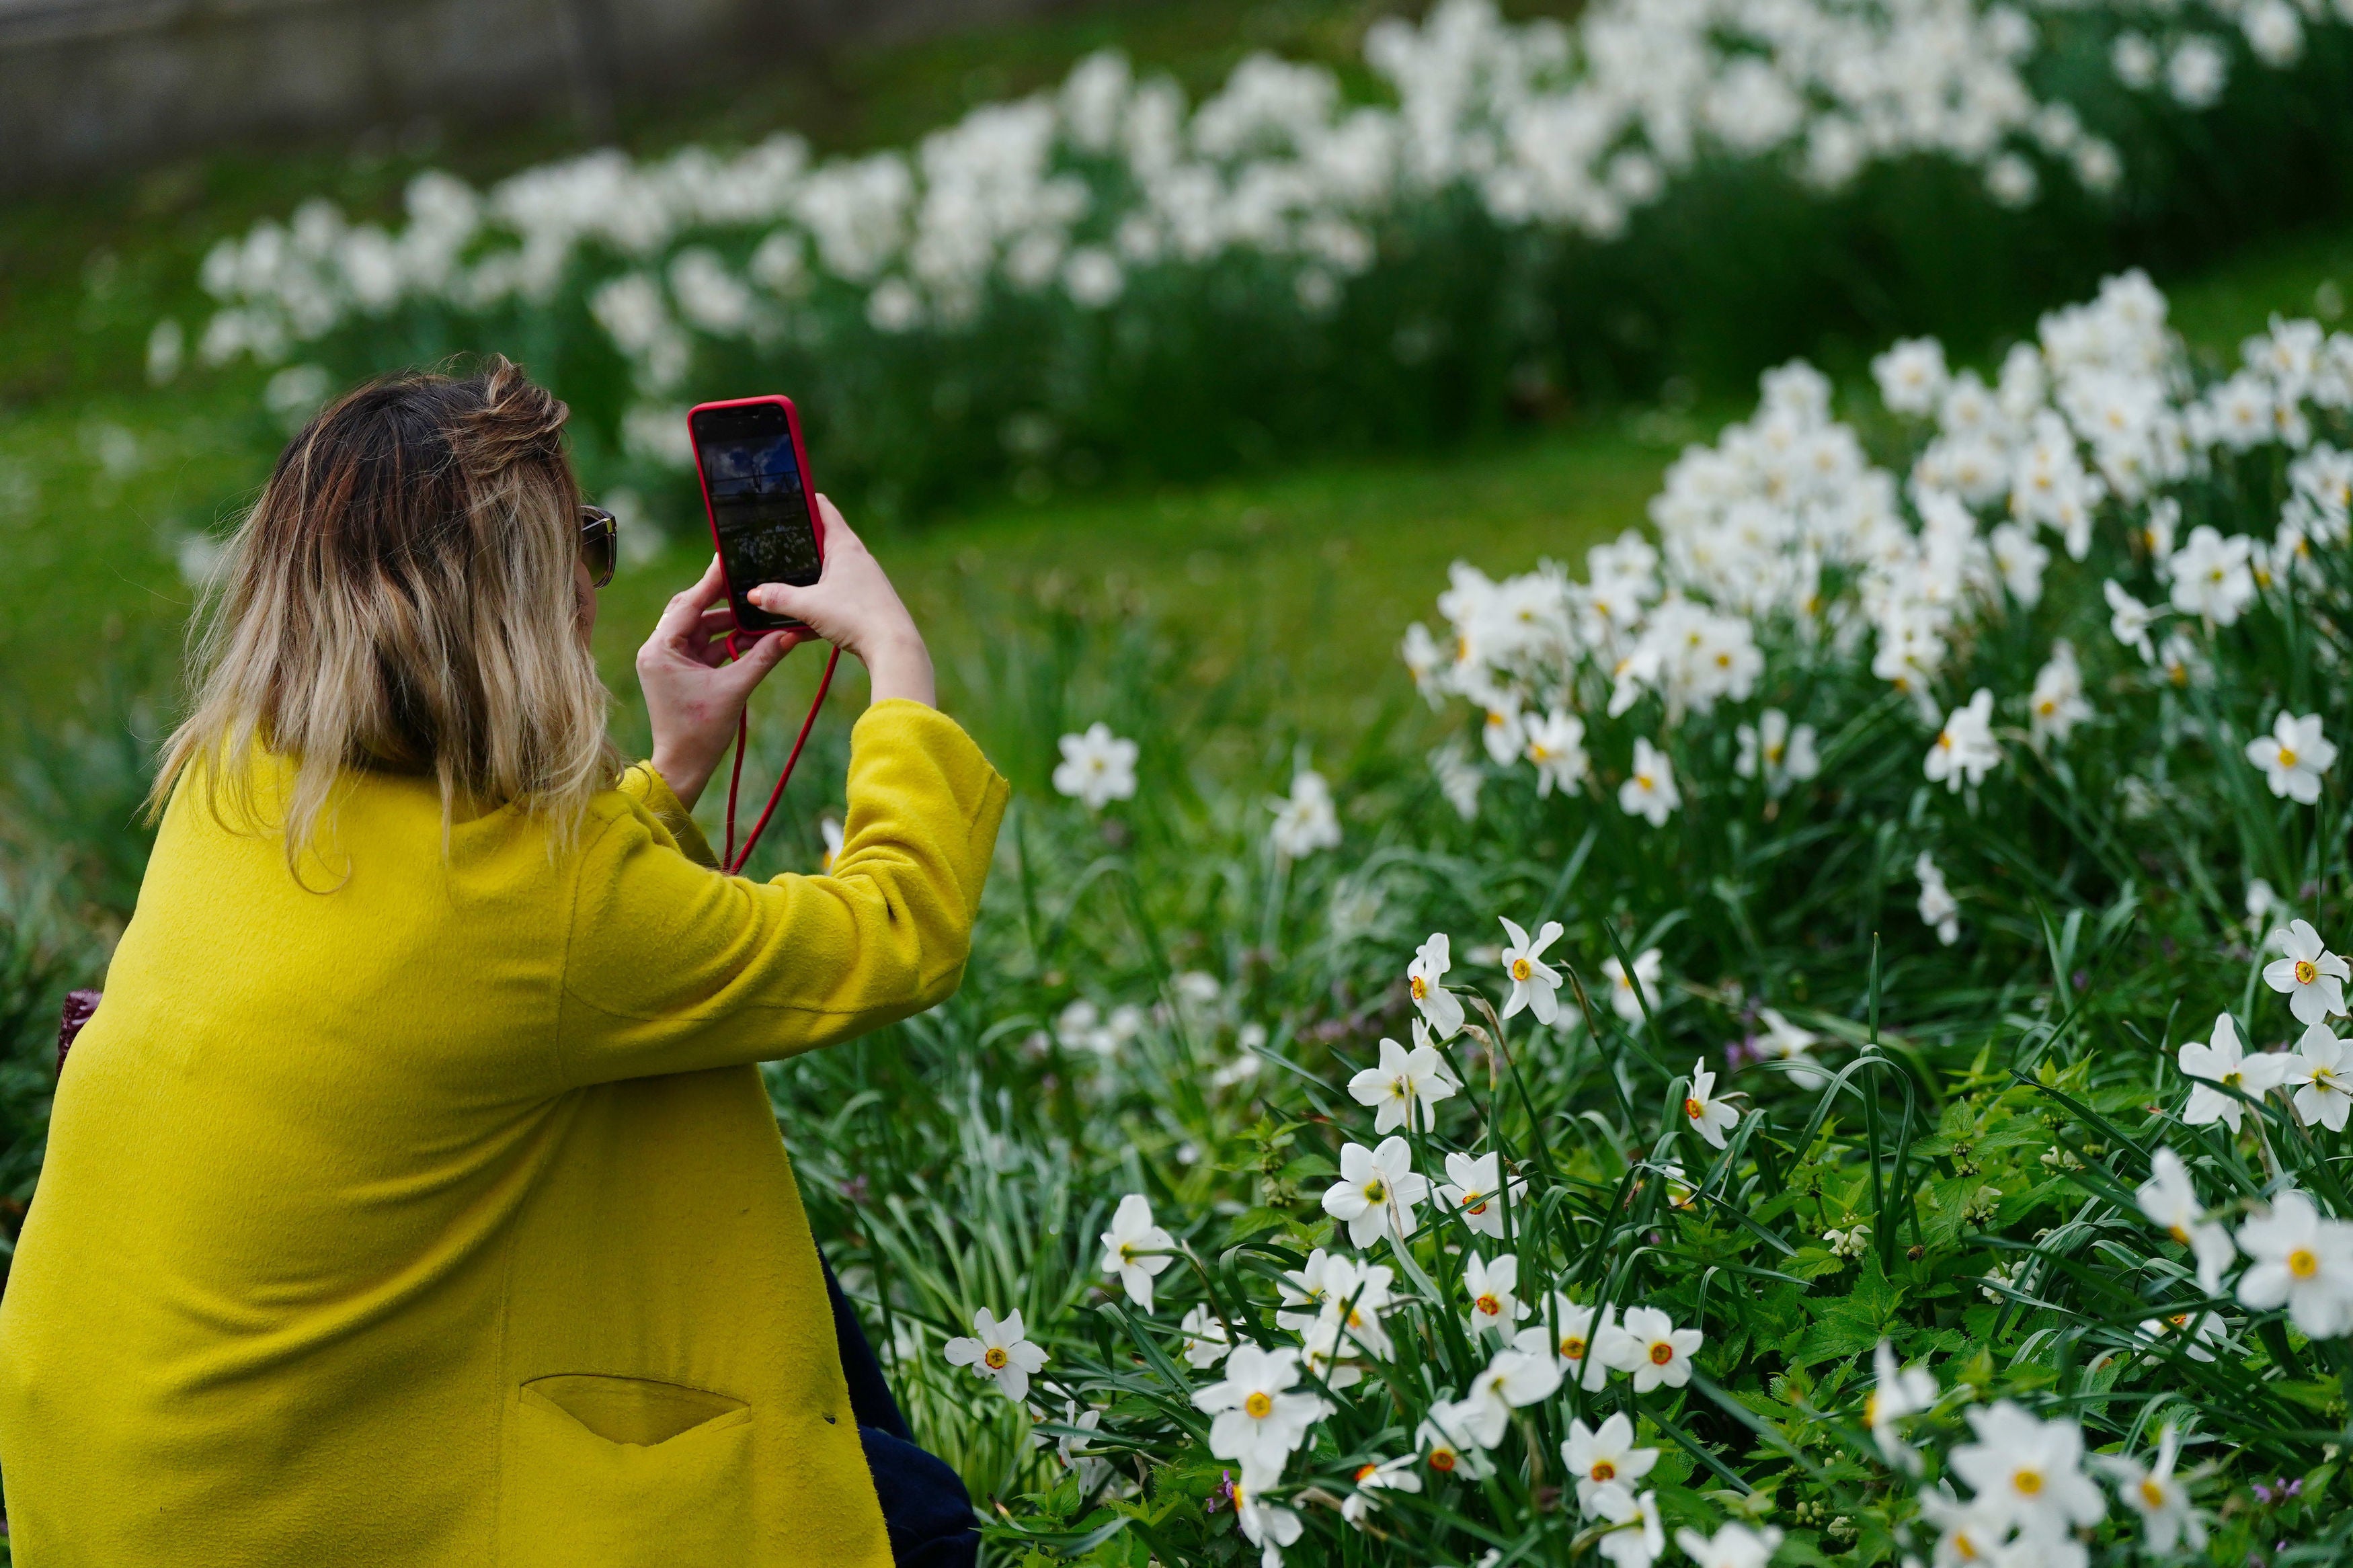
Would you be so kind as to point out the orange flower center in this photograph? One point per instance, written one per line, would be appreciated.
(1420, 988)
(1365, 1473)
(2151, 1493)
(1480, 1206)
(1693, 1108)
(1522, 969)
(1489, 1307)
(1259, 1406)
(1572, 1349)
(1662, 1353)
(2307, 972)
(1441, 1459)
(1603, 1470)
(994, 1357)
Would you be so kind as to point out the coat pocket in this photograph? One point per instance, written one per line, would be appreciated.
(625, 1472)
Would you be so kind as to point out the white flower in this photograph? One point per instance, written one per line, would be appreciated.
(829, 830)
(998, 1351)
(1578, 1338)
(1205, 1340)
(1472, 1188)
(1964, 750)
(1852, 1242)
(2311, 977)
(1376, 1192)
(2293, 756)
(1938, 907)
(1077, 1453)
(1709, 1117)
(2129, 619)
(1270, 1526)
(1535, 983)
(1555, 745)
(1912, 375)
(1649, 790)
(1307, 821)
(1734, 1546)
(2156, 1494)
(1096, 767)
(2203, 1328)
(1426, 978)
(1492, 1286)
(1258, 1420)
(2302, 1262)
(1791, 1043)
(1638, 1540)
(2197, 72)
(1599, 1456)
(2029, 1472)
(2057, 704)
(1130, 1246)
(1523, 1373)
(2322, 1071)
(1444, 1441)
(1896, 1394)
(2226, 1062)
(2211, 576)
(1405, 1080)
(1651, 1349)
(2169, 1200)
(1783, 754)
(1622, 999)
(1374, 1478)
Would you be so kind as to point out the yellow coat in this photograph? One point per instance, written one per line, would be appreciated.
(442, 1218)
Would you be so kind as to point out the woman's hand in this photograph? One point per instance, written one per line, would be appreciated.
(853, 607)
(693, 696)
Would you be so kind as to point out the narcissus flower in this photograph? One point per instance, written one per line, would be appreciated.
(2321, 1073)
(1575, 1336)
(1494, 1287)
(2169, 1200)
(1649, 790)
(1376, 1192)
(1896, 1392)
(1136, 1249)
(1445, 1445)
(1965, 750)
(2156, 1494)
(1096, 768)
(1206, 1342)
(1555, 745)
(1781, 1040)
(1259, 1417)
(1638, 1539)
(2302, 1262)
(2293, 757)
(2226, 1062)
(1000, 1352)
(1622, 1000)
(1535, 983)
(1938, 907)
(1781, 753)
(1599, 1456)
(1473, 1188)
(1651, 1349)
(1709, 1117)
(2311, 977)
(2129, 619)
(1308, 821)
(1521, 1373)
(1734, 1546)
(1425, 977)
(2029, 1472)
(1374, 1478)
(1270, 1526)
(1404, 1089)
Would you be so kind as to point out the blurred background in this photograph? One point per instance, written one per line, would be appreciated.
(1169, 352)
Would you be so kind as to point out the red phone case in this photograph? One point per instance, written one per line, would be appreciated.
(800, 455)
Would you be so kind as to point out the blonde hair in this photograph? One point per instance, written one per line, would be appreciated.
(402, 598)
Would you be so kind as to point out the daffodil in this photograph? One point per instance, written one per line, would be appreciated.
(1635, 1539)
(1781, 1040)
(2321, 1071)
(2198, 1328)
(1000, 1352)
(1938, 907)
(1535, 983)
(1376, 1192)
(2169, 1200)
(2130, 620)
(1650, 1348)
(1206, 1342)
(1259, 1417)
(1623, 1001)
(2156, 1494)
(1523, 1373)
(1555, 745)
(1136, 1249)
(2029, 1472)
(1965, 750)
(1308, 821)
(2293, 756)
(1775, 750)
(1710, 1117)
(1649, 790)
(2226, 1062)
(1733, 1546)
(1896, 1394)
(1495, 1306)
(1404, 1089)
(1425, 978)
(1445, 1445)
(1576, 1335)
(2302, 1262)
(1373, 1478)
(1599, 1456)
(1268, 1526)
(2311, 977)
(1473, 1188)
(1097, 767)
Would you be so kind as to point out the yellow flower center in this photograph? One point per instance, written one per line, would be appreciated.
(2181, 1235)
(1377, 1190)
(1603, 1470)
(1259, 1406)
(2028, 1482)
(1773, 755)
(2152, 1494)
(1522, 969)
(1488, 1307)
(2179, 1319)
(1420, 988)
(2307, 972)
(1474, 1203)
(1694, 1109)
(1365, 1472)
(1943, 740)
(2303, 1263)
(1871, 1409)
(1662, 1353)
(1643, 781)
(994, 1357)
(1494, 721)
(1441, 1459)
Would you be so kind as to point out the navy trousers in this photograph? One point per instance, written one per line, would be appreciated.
(924, 1506)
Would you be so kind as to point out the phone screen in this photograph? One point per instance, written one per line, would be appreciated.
(759, 503)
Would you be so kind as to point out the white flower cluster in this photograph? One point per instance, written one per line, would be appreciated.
(1076, 190)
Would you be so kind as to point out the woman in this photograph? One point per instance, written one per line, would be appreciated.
(413, 1198)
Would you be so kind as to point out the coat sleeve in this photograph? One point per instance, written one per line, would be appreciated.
(672, 967)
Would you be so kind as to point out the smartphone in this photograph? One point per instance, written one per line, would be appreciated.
(764, 516)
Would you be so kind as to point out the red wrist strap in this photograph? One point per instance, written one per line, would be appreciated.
(730, 860)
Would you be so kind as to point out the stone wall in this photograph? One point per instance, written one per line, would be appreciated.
(96, 86)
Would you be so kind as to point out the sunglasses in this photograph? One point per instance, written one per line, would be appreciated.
(600, 543)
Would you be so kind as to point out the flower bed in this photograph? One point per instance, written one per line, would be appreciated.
(1103, 278)
(1839, 1065)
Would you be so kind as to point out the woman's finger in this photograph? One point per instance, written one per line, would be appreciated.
(682, 615)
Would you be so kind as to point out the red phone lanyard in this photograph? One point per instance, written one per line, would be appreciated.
(732, 862)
